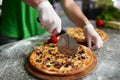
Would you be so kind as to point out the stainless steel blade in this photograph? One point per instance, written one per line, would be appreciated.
(67, 45)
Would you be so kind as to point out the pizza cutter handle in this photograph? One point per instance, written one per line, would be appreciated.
(62, 31)
(38, 19)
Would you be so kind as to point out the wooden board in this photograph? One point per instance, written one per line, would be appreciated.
(45, 76)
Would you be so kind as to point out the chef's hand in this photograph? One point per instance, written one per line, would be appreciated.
(91, 34)
(49, 19)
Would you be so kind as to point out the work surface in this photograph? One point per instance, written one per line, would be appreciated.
(13, 56)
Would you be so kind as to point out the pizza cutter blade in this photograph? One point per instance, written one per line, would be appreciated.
(67, 45)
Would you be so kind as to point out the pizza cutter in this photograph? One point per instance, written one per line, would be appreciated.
(67, 44)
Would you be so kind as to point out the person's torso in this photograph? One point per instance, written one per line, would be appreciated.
(19, 20)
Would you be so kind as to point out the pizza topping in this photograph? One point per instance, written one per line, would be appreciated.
(81, 52)
(83, 57)
(53, 62)
(49, 51)
(72, 65)
(79, 58)
(52, 45)
(73, 56)
(59, 57)
(57, 65)
(46, 60)
(68, 56)
(38, 53)
(38, 60)
(53, 51)
(48, 65)
(69, 64)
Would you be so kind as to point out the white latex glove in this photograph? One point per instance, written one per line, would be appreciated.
(91, 34)
(49, 19)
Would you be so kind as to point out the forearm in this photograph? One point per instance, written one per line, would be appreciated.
(74, 13)
(34, 3)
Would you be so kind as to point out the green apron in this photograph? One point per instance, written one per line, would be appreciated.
(19, 20)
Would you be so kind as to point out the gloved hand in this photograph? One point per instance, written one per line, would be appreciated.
(90, 35)
(49, 19)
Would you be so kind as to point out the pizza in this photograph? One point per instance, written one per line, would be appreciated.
(49, 60)
(78, 34)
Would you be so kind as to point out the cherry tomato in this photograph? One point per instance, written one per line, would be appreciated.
(59, 37)
(54, 39)
(99, 23)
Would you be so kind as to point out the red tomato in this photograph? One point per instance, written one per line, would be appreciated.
(54, 39)
(99, 23)
(58, 37)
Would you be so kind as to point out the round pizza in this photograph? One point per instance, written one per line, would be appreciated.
(78, 34)
(48, 59)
